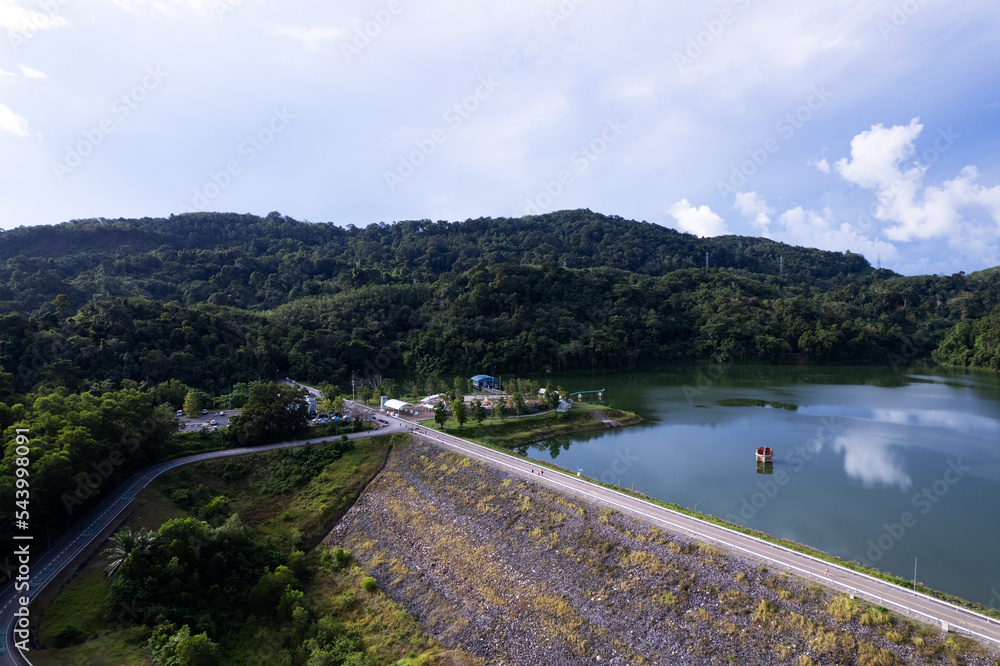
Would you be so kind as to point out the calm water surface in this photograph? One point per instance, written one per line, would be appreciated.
(870, 464)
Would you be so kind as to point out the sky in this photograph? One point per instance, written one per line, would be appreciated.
(871, 126)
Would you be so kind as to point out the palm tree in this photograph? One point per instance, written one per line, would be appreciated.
(122, 544)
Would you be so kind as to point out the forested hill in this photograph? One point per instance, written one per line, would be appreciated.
(213, 299)
(257, 263)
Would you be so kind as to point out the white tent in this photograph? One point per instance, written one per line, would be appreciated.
(397, 405)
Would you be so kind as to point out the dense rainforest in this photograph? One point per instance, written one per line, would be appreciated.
(108, 326)
(214, 299)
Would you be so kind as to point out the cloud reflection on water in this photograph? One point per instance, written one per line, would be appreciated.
(872, 461)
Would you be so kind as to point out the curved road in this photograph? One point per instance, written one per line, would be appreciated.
(80, 537)
(915, 604)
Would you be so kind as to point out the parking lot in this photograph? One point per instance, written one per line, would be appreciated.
(213, 420)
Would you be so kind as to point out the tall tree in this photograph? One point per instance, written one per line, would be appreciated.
(551, 396)
(273, 412)
(124, 543)
(520, 406)
(440, 414)
(459, 410)
(500, 406)
(478, 412)
(192, 404)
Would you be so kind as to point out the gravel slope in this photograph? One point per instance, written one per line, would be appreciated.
(517, 574)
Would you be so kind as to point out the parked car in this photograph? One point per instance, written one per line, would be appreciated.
(213, 422)
(204, 411)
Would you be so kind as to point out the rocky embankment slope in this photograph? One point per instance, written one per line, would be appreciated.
(517, 574)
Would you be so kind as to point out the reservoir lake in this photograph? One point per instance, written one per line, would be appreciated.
(871, 464)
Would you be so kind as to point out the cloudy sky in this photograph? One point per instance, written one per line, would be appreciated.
(869, 125)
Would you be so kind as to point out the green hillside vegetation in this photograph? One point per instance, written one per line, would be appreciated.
(973, 343)
(210, 300)
(238, 576)
(109, 326)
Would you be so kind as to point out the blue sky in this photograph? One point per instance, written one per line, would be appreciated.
(871, 126)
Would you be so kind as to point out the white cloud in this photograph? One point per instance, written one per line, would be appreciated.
(31, 73)
(822, 165)
(819, 229)
(917, 211)
(754, 207)
(877, 153)
(12, 122)
(21, 22)
(701, 220)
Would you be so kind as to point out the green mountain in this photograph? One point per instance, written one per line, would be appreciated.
(212, 299)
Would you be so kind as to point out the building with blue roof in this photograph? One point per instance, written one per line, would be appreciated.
(485, 382)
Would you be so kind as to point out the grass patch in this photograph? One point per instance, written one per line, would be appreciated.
(81, 606)
(390, 634)
(121, 648)
(522, 432)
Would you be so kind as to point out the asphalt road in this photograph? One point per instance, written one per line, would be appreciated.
(872, 589)
(908, 602)
(63, 552)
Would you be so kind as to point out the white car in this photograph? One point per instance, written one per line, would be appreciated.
(213, 422)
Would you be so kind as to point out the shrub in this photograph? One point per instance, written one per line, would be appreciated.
(67, 636)
(341, 558)
(842, 609)
(368, 584)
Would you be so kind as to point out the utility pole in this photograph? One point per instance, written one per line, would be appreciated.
(706, 260)
(914, 574)
(781, 266)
